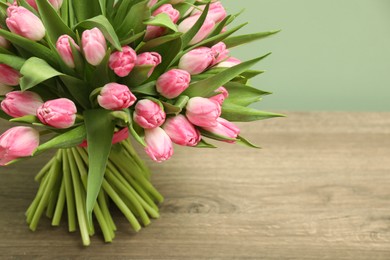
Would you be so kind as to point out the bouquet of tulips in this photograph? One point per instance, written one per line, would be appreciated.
(86, 74)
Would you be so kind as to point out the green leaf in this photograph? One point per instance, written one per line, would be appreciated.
(207, 86)
(245, 142)
(79, 89)
(217, 137)
(184, 7)
(170, 108)
(55, 27)
(103, 4)
(29, 119)
(105, 26)
(85, 9)
(243, 95)
(134, 20)
(137, 76)
(237, 113)
(149, 45)
(146, 89)
(36, 71)
(12, 61)
(190, 34)
(204, 144)
(100, 130)
(243, 39)
(132, 38)
(162, 20)
(68, 139)
(132, 130)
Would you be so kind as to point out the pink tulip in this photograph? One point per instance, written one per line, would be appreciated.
(204, 31)
(154, 32)
(16, 142)
(221, 96)
(216, 11)
(114, 96)
(181, 131)
(119, 136)
(24, 23)
(168, 9)
(123, 62)
(64, 48)
(21, 103)
(230, 62)
(9, 76)
(203, 111)
(197, 60)
(224, 128)
(55, 3)
(148, 59)
(148, 114)
(173, 82)
(159, 145)
(4, 89)
(152, 2)
(58, 113)
(220, 52)
(94, 46)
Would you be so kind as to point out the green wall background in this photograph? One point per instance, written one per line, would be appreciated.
(331, 55)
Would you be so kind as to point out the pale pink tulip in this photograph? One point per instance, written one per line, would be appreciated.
(203, 111)
(181, 131)
(221, 96)
(230, 62)
(173, 82)
(204, 31)
(55, 3)
(21, 103)
(17, 142)
(158, 144)
(220, 52)
(168, 9)
(9, 76)
(148, 114)
(224, 128)
(216, 11)
(114, 96)
(58, 113)
(153, 31)
(64, 48)
(94, 46)
(148, 59)
(197, 60)
(24, 23)
(123, 62)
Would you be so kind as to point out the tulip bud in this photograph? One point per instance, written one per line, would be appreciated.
(204, 31)
(4, 89)
(16, 142)
(21, 103)
(58, 113)
(220, 52)
(64, 48)
(149, 58)
(123, 62)
(94, 46)
(221, 96)
(168, 9)
(197, 60)
(159, 145)
(224, 128)
(9, 76)
(24, 23)
(152, 2)
(148, 114)
(230, 62)
(153, 31)
(173, 82)
(55, 3)
(203, 111)
(114, 96)
(181, 131)
(216, 11)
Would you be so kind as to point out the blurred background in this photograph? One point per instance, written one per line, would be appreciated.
(330, 55)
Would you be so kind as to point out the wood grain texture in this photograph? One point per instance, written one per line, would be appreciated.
(320, 189)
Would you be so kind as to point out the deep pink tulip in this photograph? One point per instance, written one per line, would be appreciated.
(203, 111)
(9, 76)
(58, 113)
(220, 52)
(224, 128)
(64, 48)
(153, 31)
(114, 96)
(21, 103)
(123, 62)
(216, 11)
(159, 145)
(197, 60)
(94, 46)
(55, 3)
(221, 96)
(17, 142)
(24, 23)
(173, 82)
(203, 32)
(150, 59)
(148, 114)
(230, 62)
(181, 131)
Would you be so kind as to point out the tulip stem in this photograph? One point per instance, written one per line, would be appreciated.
(69, 195)
(60, 205)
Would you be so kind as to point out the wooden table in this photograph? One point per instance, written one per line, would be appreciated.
(320, 189)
